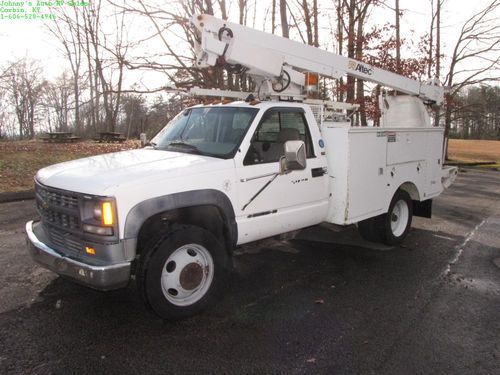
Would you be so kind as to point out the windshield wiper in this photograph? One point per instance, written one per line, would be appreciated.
(152, 144)
(184, 144)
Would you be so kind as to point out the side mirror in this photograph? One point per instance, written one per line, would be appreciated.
(294, 157)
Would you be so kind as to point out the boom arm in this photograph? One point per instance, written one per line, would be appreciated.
(266, 56)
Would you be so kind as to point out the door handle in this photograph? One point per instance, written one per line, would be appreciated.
(318, 172)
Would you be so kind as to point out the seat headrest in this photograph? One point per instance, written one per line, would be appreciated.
(288, 134)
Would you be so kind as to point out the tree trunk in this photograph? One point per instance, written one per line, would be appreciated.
(340, 37)
(360, 90)
(315, 17)
(242, 4)
(284, 19)
(223, 10)
(210, 7)
(398, 41)
(273, 17)
(307, 21)
(431, 42)
(76, 87)
(351, 48)
(438, 59)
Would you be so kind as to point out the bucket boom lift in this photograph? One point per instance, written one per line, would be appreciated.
(281, 67)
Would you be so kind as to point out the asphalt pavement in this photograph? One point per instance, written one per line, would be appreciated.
(325, 302)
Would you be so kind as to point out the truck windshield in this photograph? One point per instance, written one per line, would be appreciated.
(211, 131)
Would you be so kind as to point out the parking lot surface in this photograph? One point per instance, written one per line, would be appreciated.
(324, 302)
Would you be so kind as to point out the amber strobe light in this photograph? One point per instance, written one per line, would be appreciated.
(311, 79)
(107, 213)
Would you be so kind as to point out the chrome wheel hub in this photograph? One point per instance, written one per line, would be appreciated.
(399, 218)
(187, 274)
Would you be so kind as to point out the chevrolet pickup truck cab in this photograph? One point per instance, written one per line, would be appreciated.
(170, 214)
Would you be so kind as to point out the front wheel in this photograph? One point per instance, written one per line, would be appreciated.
(183, 273)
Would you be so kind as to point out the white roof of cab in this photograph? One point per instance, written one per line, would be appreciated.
(260, 105)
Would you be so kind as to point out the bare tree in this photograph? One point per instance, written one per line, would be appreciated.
(316, 23)
(223, 9)
(475, 58)
(285, 29)
(67, 29)
(171, 27)
(105, 54)
(308, 21)
(362, 12)
(97, 44)
(350, 8)
(25, 84)
(437, 18)
(57, 101)
(340, 9)
(273, 17)
(398, 39)
(357, 14)
(4, 111)
(134, 109)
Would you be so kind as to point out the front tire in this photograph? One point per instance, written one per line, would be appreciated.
(183, 273)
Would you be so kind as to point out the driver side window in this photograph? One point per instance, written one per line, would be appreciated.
(276, 127)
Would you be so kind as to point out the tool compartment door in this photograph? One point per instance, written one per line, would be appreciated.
(405, 146)
(366, 174)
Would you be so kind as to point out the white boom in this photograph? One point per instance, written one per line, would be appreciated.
(279, 63)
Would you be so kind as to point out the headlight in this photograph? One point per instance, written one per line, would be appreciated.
(102, 231)
(99, 216)
(103, 212)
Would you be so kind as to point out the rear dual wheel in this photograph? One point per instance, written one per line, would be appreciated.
(392, 227)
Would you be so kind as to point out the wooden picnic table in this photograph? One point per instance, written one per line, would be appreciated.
(110, 137)
(60, 137)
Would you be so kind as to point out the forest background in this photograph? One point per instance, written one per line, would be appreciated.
(115, 60)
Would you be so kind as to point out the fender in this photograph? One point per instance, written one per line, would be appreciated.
(144, 210)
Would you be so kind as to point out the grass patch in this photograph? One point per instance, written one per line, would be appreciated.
(20, 160)
(474, 151)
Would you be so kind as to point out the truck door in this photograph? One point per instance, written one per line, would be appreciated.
(291, 201)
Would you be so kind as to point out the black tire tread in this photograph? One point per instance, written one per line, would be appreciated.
(148, 250)
(174, 313)
(378, 228)
(386, 231)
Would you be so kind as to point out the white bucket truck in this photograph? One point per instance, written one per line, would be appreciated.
(226, 174)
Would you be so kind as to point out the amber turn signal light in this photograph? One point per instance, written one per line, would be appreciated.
(107, 213)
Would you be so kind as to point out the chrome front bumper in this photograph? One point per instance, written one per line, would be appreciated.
(98, 277)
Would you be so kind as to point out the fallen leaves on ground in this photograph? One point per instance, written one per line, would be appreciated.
(20, 160)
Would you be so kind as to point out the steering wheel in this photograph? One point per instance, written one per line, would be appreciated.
(253, 155)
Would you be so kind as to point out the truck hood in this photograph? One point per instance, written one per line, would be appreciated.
(102, 174)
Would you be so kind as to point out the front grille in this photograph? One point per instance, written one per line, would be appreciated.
(58, 208)
(60, 219)
(57, 198)
(65, 242)
(60, 214)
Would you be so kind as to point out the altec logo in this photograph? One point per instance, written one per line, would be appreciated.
(353, 65)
